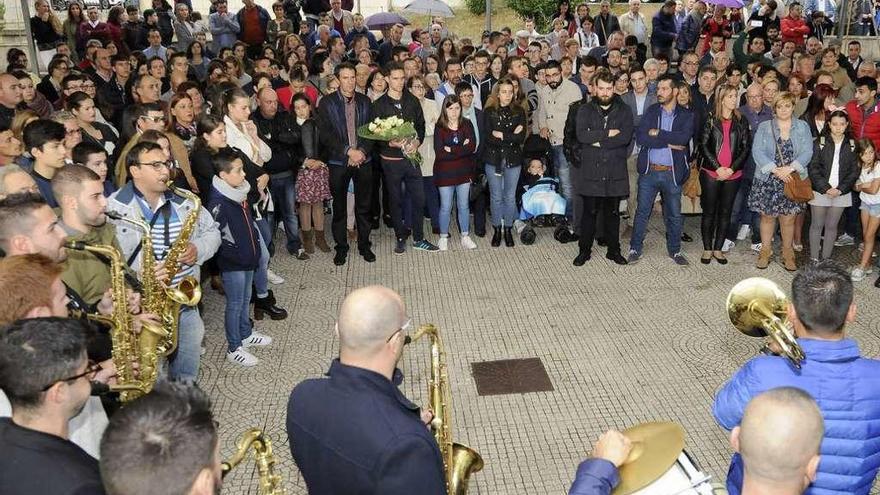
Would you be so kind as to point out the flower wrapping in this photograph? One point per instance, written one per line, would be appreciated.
(390, 129)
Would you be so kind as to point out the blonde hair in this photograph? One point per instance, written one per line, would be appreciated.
(722, 91)
(784, 97)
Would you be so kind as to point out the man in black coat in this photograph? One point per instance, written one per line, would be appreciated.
(279, 130)
(354, 431)
(604, 131)
(348, 157)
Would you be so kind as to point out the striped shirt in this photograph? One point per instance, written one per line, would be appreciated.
(165, 230)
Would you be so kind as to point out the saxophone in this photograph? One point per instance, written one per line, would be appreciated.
(270, 482)
(459, 461)
(165, 302)
(127, 346)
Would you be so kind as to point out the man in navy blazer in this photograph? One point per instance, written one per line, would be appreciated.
(355, 432)
(663, 135)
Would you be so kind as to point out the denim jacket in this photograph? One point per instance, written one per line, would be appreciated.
(764, 148)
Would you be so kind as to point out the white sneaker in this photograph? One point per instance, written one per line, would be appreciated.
(256, 339)
(728, 245)
(242, 357)
(858, 274)
(757, 247)
(467, 242)
(744, 232)
(844, 240)
(443, 244)
(274, 278)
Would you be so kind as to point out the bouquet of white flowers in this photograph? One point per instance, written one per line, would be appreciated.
(393, 129)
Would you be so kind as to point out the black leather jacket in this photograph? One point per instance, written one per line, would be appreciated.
(711, 139)
(281, 133)
(508, 149)
(823, 159)
(311, 145)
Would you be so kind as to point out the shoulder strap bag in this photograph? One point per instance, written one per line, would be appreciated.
(797, 189)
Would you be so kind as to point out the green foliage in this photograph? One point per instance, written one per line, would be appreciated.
(476, 7)
(540, 10)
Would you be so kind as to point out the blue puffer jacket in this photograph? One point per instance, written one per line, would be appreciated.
(847, 389)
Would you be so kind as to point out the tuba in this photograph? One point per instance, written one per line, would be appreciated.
(270, 482)
(758, 308)
(459, 461)
(127, 346)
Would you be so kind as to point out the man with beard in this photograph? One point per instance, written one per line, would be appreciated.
(46, 374)
(165, 442)
(604, 131)
(663, 136)
(336, 440)
(554, 100)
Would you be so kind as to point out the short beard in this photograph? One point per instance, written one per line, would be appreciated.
(604, 101)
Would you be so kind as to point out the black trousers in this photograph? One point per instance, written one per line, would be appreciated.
(379, 197)
(339, 179)
(716, 200)
(396, 174)
(592, 208)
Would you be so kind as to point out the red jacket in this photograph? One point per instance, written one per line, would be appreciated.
(862, 127)
(793, 30)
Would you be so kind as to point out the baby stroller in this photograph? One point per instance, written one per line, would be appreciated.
(540, 203)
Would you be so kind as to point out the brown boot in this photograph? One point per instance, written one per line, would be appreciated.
(321, 242)
(308, 241)
(764, 257)
(788, 259)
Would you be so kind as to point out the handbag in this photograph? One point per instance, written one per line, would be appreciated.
(797, 189)
(478, 186)
(691, 187)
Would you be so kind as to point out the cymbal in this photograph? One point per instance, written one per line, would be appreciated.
(656, 446)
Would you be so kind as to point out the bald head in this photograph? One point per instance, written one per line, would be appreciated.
(368, 317)
(779, 437)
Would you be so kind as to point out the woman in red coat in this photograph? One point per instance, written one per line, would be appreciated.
(793, 27)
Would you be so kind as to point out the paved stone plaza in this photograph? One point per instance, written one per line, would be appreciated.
(621, 345)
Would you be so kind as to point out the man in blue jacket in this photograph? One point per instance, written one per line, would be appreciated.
(663, 32)
(355, 432)
(663, 135)
(845, 385)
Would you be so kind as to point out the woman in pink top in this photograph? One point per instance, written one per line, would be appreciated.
(724, 145)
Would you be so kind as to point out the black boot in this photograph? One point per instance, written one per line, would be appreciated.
(496, 237)
(266, 305)
(508, 236)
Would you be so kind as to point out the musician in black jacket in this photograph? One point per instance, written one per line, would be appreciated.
(348, 157)
(396, 167)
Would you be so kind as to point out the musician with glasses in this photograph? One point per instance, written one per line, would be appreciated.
(164, 442)
(355, 432)
(46, 374)
(147, 197)
(845, 385)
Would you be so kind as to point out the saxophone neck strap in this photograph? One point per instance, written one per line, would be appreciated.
(167, 214)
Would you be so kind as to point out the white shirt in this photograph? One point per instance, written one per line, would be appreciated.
(834, 178)
(866, 177)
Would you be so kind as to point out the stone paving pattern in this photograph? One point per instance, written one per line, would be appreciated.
(622, 345)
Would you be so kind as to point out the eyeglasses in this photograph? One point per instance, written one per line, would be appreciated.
(690, 63)
(153, 119)
(88, 86)
(403, 328)
(91, 370)
(71, 132)
(157, 165)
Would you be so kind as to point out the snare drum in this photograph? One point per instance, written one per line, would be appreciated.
(683, 478)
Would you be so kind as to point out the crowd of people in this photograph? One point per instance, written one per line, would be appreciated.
(201, 135)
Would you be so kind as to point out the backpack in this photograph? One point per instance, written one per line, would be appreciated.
(571, 148)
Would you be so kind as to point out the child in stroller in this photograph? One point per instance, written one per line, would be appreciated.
(540, 203)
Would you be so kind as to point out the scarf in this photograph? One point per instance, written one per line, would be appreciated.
(237, 194)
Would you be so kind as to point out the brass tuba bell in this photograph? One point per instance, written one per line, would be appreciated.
(757, 307)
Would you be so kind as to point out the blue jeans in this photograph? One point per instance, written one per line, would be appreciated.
(238, 297)
(283, 192)
(563, 173)
(183, 366)
(261, 275)
(742, 215)
(670, 192)
(502, 191)
(461, 192)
